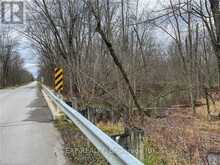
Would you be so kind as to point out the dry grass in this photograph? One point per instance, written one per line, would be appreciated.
(77, 149)
(183, 138)
(111, 128)
(202, 110)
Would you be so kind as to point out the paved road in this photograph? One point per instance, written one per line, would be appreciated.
(27, 135)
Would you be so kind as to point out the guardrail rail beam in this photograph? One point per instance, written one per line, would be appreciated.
(112, 151)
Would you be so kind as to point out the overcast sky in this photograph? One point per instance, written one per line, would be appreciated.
(30, 57)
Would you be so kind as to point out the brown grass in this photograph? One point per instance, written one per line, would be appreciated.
(184, 138)
(202, 110)
(77, 149)
(111, 128)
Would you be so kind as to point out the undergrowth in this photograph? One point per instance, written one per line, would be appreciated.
(110, 128)
(77, 149)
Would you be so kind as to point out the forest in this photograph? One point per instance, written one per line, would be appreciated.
(12, 71)
(118, 54)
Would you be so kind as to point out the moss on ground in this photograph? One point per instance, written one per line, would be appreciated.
(152, 156)
(157, 155)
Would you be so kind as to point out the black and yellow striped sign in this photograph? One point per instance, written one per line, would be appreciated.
(59, 79)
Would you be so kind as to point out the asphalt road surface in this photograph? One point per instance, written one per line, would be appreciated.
(27, 134)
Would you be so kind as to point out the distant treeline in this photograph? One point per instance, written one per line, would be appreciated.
(12, 71)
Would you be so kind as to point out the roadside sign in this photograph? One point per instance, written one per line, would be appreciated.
(58, 84)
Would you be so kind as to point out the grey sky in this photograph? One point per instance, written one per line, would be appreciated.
(30, 57)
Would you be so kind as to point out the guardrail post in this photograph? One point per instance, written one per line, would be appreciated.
(91, 115)
(135, 142)
(56, 113)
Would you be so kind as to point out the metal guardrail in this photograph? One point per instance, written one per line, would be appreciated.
(112, 151)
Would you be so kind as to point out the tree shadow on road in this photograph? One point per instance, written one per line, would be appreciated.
(39, 111)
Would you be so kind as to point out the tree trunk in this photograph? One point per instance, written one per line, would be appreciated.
(207, 100)
(218, 60)
(217, 54)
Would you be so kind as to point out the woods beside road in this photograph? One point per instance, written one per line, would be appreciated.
(12, 71)
(119, 55)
